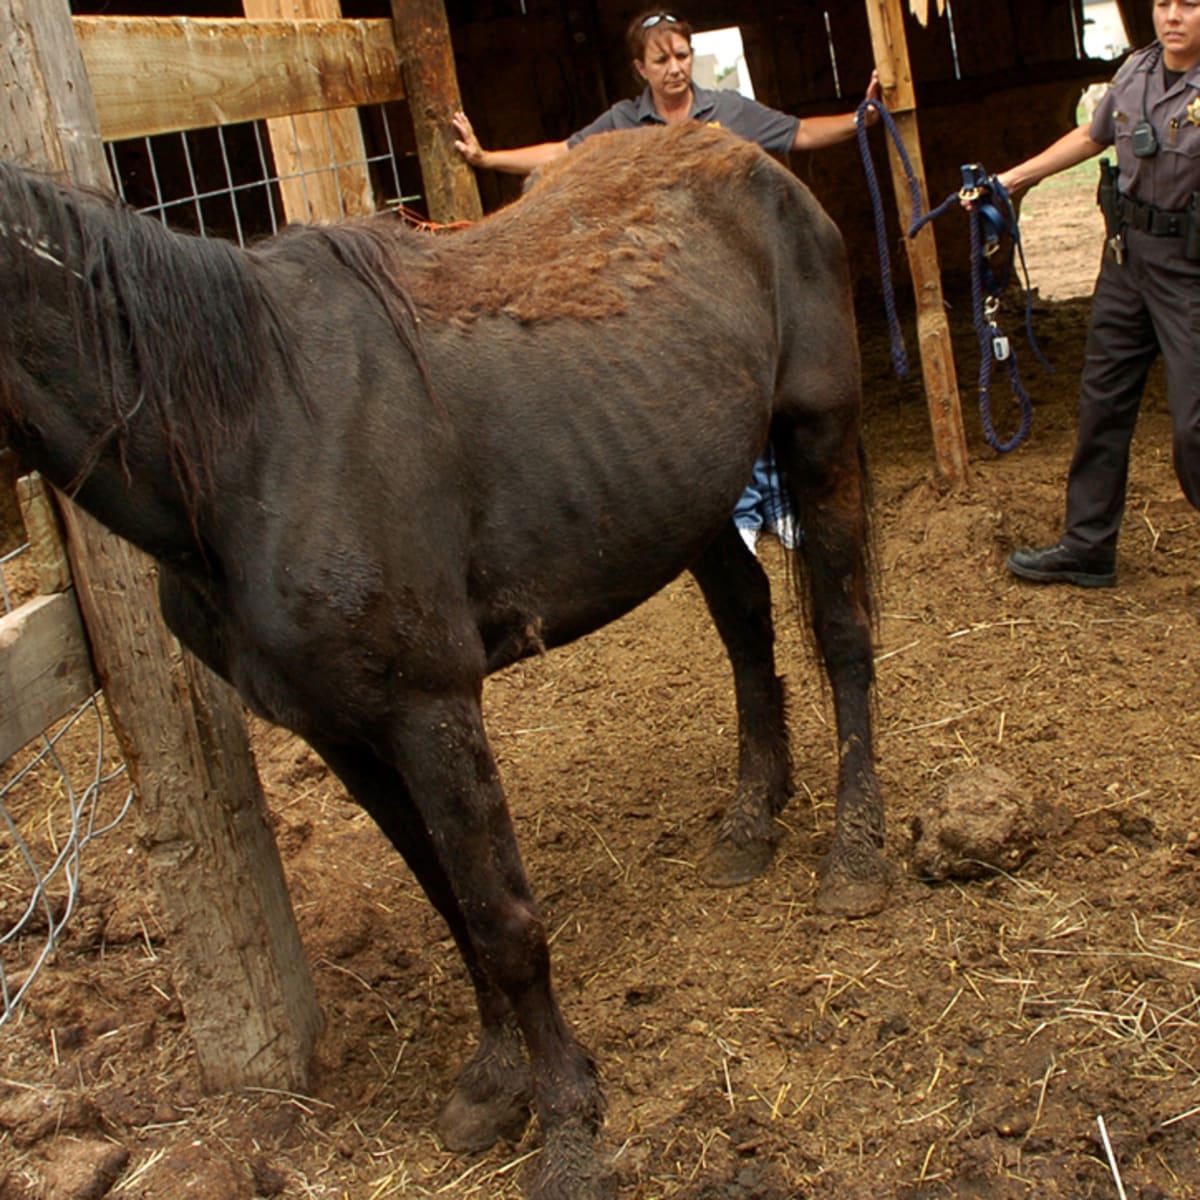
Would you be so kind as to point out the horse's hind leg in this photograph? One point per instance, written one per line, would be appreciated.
(494, 1091)
(738, 595)
(821, 457)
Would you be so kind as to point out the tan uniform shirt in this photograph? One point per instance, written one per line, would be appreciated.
(1168, 178)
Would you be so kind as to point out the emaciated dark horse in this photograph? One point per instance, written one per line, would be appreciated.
(376, 465)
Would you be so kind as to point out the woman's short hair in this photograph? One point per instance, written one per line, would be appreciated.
(648, 25)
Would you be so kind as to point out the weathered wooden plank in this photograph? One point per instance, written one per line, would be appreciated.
(45, 668)
(423, 39)
(158, 74)
(320, 157)
(36, 57)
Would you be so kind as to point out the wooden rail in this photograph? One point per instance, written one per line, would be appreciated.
(45, 669)
(154, 75)
(45, 664)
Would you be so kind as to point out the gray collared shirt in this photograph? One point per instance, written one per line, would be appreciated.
(1168, 178)
(772, 130)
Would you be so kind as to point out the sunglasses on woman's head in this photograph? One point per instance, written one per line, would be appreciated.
(655, 18)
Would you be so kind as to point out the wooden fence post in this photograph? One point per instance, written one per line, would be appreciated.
(431, 84)
(890, 45)
(320, 157)
(241, 973)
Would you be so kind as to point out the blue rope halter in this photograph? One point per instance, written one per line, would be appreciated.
(990, 219)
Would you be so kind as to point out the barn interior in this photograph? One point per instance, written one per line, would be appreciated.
(992, 1050)
(992, 82)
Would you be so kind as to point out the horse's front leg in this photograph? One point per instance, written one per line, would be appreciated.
(443, 755)
(738, 595)
(492, 1098)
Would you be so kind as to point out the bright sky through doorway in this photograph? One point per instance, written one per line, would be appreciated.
(725, 45)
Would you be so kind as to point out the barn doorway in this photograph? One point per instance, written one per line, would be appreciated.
(719, 61)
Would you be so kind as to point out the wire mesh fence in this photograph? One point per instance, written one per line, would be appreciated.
(70, 786)
(56, 795)
(223, 182)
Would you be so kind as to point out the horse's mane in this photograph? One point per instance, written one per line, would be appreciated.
(179, 327)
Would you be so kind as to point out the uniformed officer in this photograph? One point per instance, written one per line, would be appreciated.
(1147, 296)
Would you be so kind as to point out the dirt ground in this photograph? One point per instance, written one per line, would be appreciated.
(965, 1042)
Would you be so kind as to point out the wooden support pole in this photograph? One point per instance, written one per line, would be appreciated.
(240, 970)
(431, 84)
(890, 46)
(320, 157)
(11, 531)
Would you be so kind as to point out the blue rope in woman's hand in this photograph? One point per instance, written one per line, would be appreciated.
(990, 338)
(899, 355)
(917, 219)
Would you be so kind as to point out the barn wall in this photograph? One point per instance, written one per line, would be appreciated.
(535, 70)
(1013, 88)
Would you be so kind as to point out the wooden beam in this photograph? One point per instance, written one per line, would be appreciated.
(12, 531)
(890, 46)
(320, 158)
(45, 668)
(423, 38)
(46, 546)
(239, 967)
(160, 74)
(40, 63)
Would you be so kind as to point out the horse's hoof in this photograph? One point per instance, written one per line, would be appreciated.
(570, 1169)
(851, 898)
(492, 1098)
(467, 1125)
(729, 864)
(857, 893)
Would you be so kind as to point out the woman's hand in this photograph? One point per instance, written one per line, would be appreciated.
(467, 144)
(874, 92)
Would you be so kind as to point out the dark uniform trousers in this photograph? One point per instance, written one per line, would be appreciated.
(1147, 306)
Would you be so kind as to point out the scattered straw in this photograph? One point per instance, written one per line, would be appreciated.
(1112, 1161)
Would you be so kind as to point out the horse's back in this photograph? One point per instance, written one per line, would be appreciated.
(612, 346)
(605, 228)
(599, 367)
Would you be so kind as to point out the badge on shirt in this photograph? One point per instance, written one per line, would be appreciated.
(1193, 111)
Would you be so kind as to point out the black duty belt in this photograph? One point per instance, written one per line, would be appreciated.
(1159, 222)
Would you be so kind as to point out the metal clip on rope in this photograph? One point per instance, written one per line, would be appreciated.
(990, 216)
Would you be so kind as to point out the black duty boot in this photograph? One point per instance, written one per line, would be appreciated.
(1061, 564)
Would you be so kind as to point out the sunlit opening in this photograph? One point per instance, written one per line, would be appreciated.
(720, 62)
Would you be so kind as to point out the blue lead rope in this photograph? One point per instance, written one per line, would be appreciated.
(991, 217)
